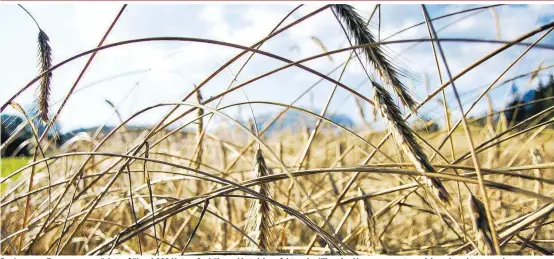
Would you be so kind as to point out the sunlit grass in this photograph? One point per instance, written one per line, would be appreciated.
(9, 165)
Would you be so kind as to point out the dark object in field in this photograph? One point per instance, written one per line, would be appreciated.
(481, 225)
(13, 146)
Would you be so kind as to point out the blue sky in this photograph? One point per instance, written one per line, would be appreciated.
(138, 75)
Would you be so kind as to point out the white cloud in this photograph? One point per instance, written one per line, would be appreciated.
(92, 20)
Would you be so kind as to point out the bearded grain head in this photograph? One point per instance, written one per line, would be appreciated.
(361, 35)
(537, 158)
(261, 214)
(406, 140)
(200, 128)
(480, 224)
(369, 240)
(45, 63)
(199, 99)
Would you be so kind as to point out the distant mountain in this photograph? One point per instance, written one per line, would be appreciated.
(292, 119)
(10, 123)
(104, 131)
(296, 119)
(17, 146)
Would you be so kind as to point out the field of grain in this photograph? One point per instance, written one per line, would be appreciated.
(474, 186)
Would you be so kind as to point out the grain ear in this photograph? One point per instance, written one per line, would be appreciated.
(45, 62)
(369, 240)
(406, 140)
(200, 128)
(361, 35)
(260, 214)
(480, 224)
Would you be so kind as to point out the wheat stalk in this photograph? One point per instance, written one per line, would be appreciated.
(361, 35)
(480, 224)
(223, 234)
(384, 102)
(535, 74)
(496, 23)
(537, 159)
(369, 240)
(406, 140)
(361, 112)
(260, 213)
(199, 133)
(200, 129)
(317, 41)
(224, 207)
